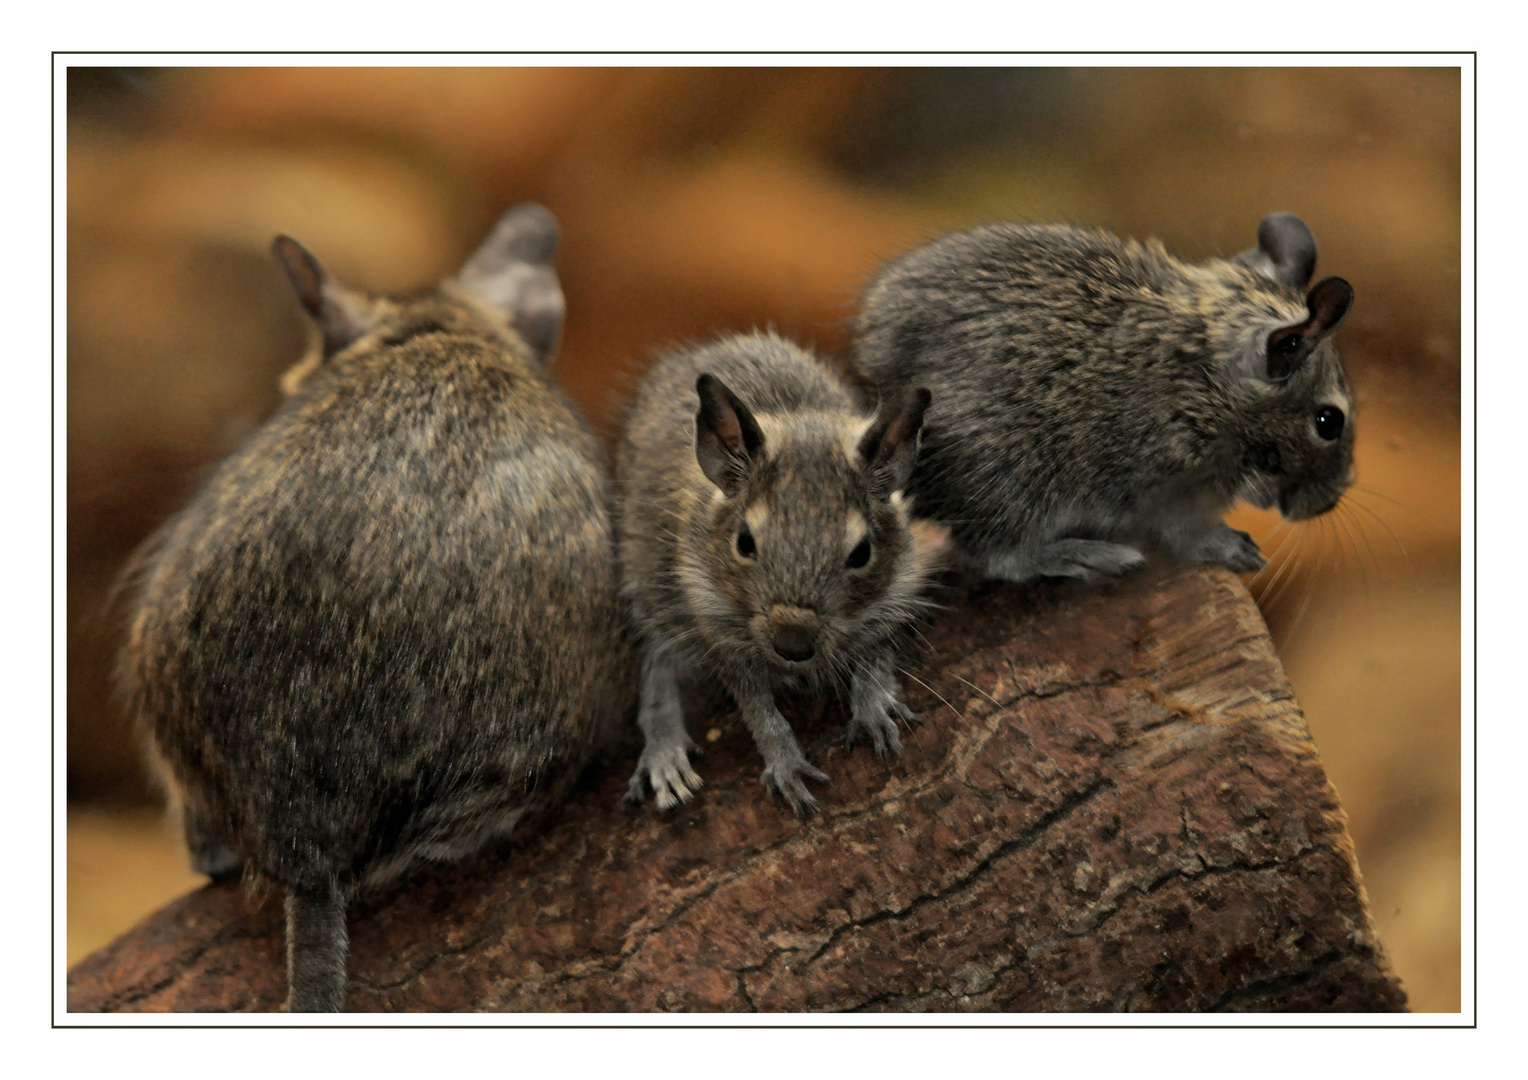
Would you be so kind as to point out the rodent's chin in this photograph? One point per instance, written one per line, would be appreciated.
(1299, 506)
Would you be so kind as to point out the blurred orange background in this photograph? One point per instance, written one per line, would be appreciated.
(700, 200)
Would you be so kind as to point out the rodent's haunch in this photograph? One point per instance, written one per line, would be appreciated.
(764, 538)
(1093, 396)
(387, 629)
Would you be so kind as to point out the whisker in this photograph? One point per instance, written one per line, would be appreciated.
(1362, 533)
(1297, 557)
(1342, 520)
(1310, 588)
(978, 689)
(1285, 566)
(930, 689)
(1388, 498)
(1283, 533)
(1275, 558)
(1404, 554)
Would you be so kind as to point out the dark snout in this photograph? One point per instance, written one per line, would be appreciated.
(1305, 505)
(1310, 500)
(793, 633)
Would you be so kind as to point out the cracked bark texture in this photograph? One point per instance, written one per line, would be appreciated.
(1112, 803)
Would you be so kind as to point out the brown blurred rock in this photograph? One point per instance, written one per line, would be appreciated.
(1112, 803)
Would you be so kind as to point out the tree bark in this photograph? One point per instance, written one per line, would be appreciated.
(1111, 803)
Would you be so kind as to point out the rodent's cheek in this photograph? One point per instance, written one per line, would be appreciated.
(931, 545)
(1261, 490)
(759, 629)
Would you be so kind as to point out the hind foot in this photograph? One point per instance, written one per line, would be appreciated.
(1086, 560)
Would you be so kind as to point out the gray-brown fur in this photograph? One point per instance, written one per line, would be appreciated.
(1092, 397)
(387, 629)
(751, 432)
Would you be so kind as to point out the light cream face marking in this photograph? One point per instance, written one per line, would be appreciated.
(855, 529)
(850, 436)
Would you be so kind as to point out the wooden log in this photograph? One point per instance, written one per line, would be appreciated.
(1112, 803)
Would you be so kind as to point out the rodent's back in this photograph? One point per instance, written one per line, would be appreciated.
(390, 617)
(1064, 364)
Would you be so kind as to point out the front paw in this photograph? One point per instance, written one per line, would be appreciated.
(667, 768)
(785, 778)
(877, 715)
(1234, 549)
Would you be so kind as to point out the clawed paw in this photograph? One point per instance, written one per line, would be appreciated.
(880, 721)
(785, 778)
(667, 769)
(1233, 549)
(1246, 559)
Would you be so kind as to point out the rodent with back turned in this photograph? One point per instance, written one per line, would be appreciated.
(764, 538)
(387, 628)
(1093, 396)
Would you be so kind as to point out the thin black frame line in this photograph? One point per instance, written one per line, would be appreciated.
(53, 569)
(769, 52)
(53, 523)
(769, 1027)
(1475, 521)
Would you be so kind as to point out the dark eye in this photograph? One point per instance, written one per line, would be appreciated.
(745, 545)
(1329, 423)
(860, 556)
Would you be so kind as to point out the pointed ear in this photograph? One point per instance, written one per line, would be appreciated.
(1285, 252)
(727, 438)
(889, 448)
(512, 270)
(340, 314)
(1326, 307)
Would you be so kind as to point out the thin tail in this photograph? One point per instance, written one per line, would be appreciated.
(317, 947)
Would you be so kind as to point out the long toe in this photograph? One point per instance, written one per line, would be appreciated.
(802, 801)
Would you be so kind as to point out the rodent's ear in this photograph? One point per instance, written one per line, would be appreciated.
(1285, 252)
(727, 437)
(889, 448)
(512, 270)
(1326, 306)
(1329, 303)
(340, 314)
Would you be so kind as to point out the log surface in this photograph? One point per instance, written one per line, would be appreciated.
(1112, 803)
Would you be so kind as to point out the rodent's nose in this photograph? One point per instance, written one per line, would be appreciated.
(793, 632)
(795, 642)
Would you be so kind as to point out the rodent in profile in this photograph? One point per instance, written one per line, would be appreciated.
(764, 537)
(387, 629)
(1091, 395)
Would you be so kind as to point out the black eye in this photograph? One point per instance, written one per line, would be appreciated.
(1329, 423)
(745, 545)
(860, 556)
